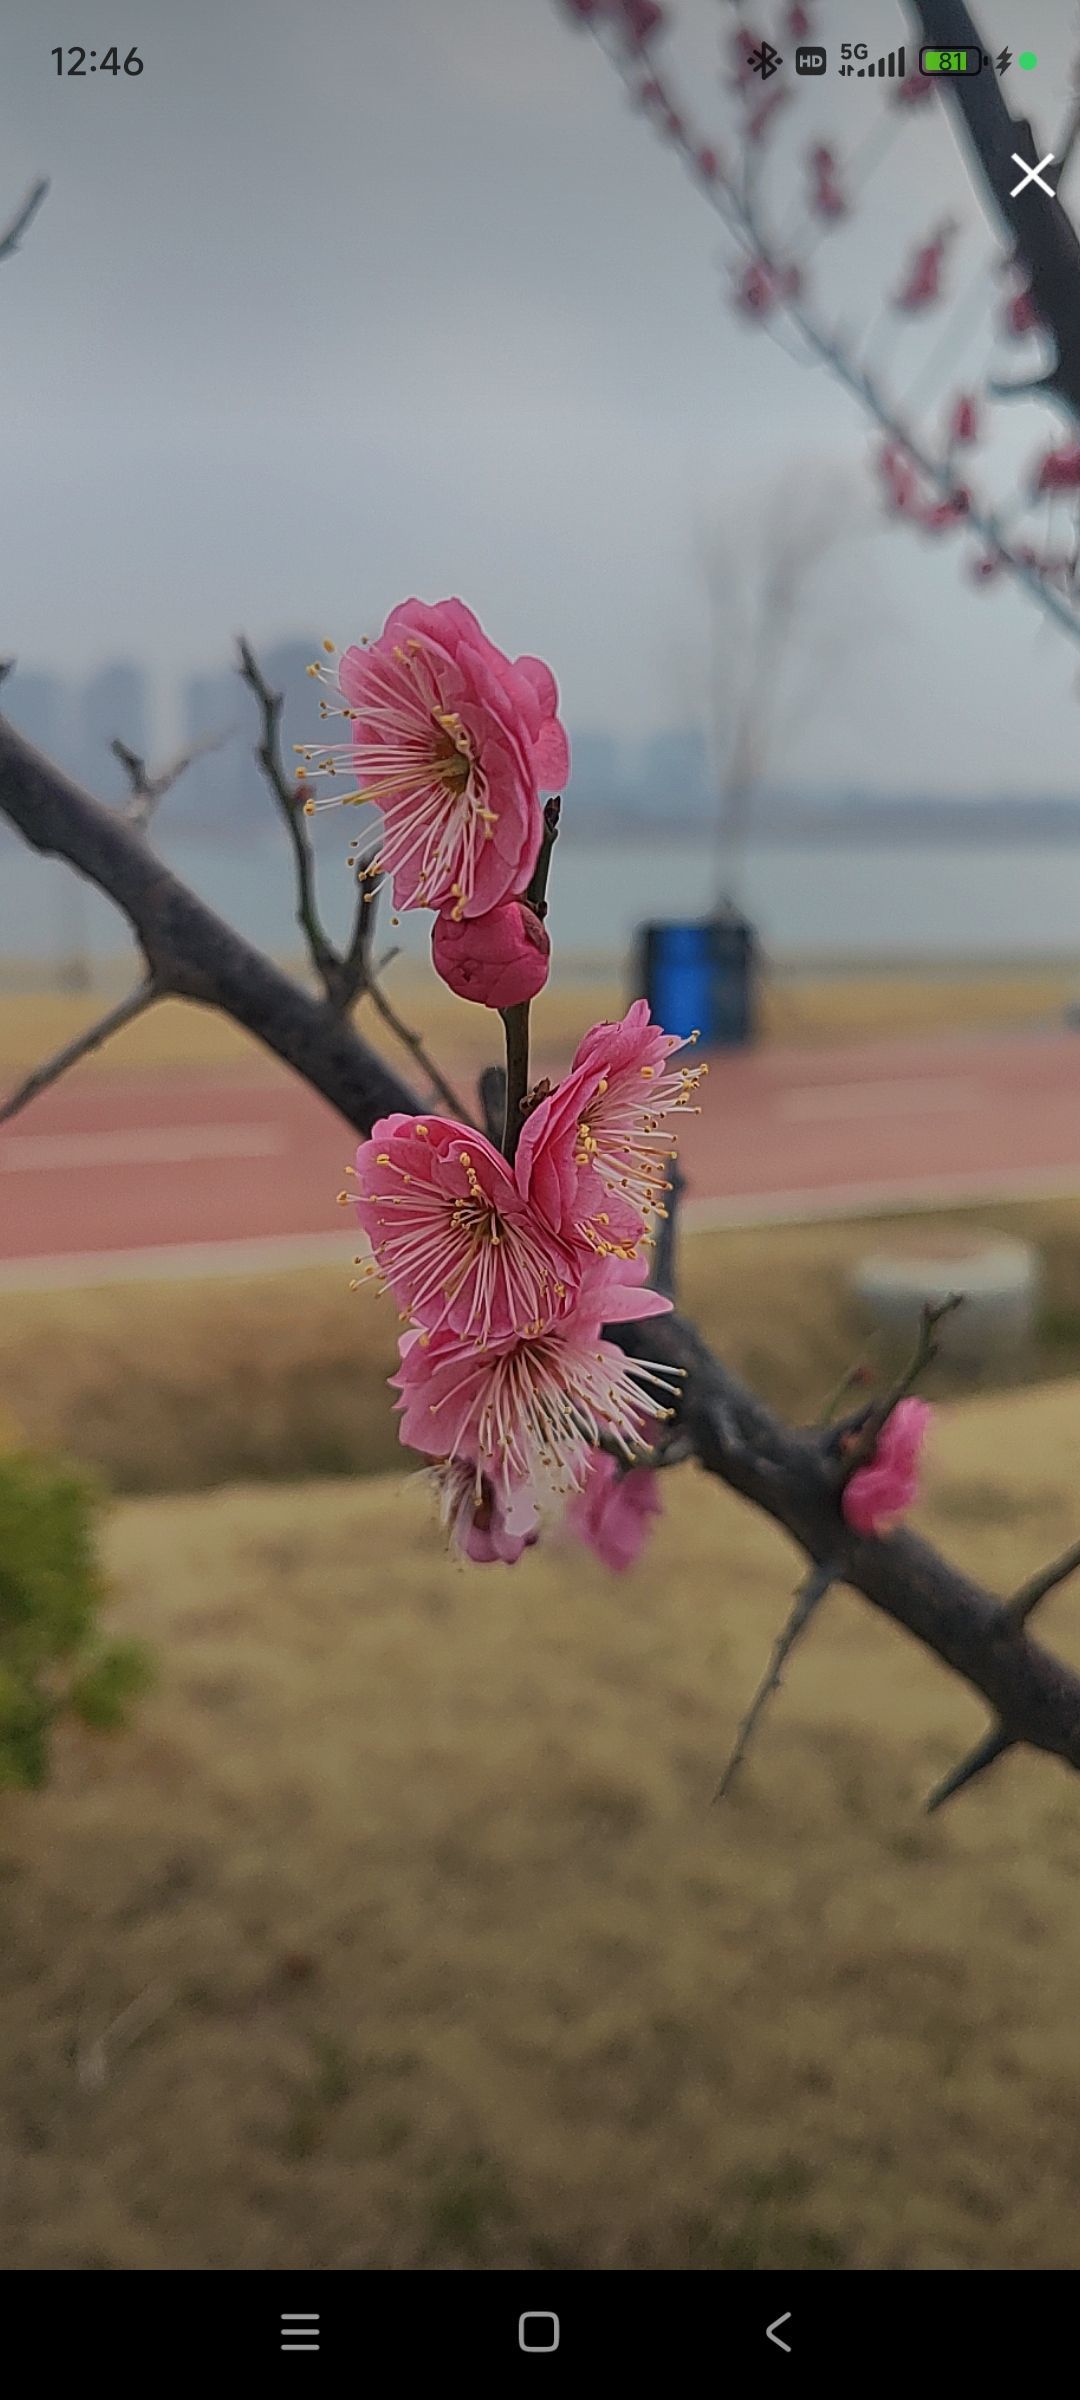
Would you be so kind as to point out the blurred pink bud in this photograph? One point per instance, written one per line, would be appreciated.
(758, 290)
(1058, 470)
(642, 20)
(673, 124)
(708, 165)
(984, 568)
(826, 197)
(741, 44)
(880, 1491)
(498, 960)
(915, 87)
(1020, 315)
(898, 475)
(922, 283)
(942, 514)
(963, 420)
(798, 22)
(761, 117)
(651, 93)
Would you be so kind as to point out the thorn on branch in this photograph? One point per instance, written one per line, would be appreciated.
(985, 1754)
(807, 1599)
(1026, 1600)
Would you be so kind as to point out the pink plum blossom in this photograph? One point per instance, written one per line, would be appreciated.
(879, 1492)
(622, 1136)
(614, 1511)
(454, 743)
(455, 1236)
(498, 960)
(528, 1413)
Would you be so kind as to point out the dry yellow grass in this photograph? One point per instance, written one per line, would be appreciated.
(436, 1954)
(825, 1009)
(167, 1387)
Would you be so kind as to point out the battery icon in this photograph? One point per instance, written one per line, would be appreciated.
(951, 62)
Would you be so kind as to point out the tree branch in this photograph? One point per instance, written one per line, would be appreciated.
(125, 1012)
(791, 1476)
(12, 236)
(1034, 1697)
(1038, 227)
(189, 950)
(147, 789)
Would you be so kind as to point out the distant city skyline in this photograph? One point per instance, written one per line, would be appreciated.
(664, 777)
(341, 302)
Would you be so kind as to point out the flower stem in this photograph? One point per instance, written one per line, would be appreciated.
(516, 1020)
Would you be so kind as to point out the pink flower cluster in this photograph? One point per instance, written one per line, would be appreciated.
(506, 1274)
(454, 743)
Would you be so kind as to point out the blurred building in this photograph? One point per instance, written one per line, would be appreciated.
(113, 706)
(674, 773)
(40, 706)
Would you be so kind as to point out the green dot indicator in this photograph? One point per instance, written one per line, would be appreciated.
(1027, 59)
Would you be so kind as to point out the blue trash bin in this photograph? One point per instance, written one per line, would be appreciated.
(701, 976)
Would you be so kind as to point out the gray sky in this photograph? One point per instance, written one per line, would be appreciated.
(349, 299)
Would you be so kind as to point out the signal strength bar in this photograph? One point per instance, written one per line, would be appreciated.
(892, 65)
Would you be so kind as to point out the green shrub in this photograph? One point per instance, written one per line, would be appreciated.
(53, 1661)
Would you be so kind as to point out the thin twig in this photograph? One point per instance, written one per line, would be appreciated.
(147, 789)
(412, 1042)
(125, 1012)
(290, 795)
(865, 1442)
(808, 1597)
(9, 240)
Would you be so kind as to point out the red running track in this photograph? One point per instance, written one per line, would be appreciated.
(107, 1166)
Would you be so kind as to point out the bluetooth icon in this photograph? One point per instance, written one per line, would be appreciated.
(764, 60)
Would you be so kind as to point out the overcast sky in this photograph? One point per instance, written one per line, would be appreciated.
(345, 299)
